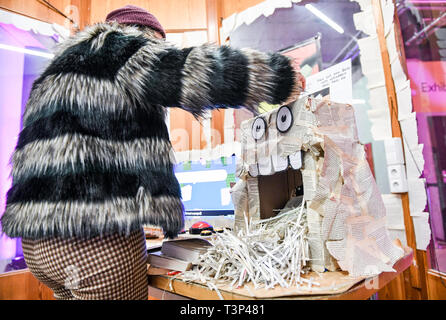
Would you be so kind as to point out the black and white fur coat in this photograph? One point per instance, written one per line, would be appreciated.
(94, 155)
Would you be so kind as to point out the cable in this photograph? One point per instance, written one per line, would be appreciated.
(395, 113)
(49, 5)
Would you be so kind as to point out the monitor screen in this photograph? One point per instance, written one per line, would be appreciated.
(205, 186)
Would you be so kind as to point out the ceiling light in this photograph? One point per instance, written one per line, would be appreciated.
(27, 51)
(324, 18)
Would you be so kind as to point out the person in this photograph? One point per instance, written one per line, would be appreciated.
(93, 163)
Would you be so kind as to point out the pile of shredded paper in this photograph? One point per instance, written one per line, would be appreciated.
(266, 252)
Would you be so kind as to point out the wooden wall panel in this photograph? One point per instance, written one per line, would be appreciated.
(229, 7)
(436, 285)
(173, 14)
(77, 10)
(213, 12)
(84, 9)
(395, 290)
(37, 10)
(22, 285)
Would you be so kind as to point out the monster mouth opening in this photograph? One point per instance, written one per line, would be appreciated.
(277, 190)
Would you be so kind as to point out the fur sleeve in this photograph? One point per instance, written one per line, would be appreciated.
(208, 77)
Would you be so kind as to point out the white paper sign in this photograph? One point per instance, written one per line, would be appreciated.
(336, 82)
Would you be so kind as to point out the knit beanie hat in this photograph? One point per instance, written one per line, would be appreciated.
(136, 15)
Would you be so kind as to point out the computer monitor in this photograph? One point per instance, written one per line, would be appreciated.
(205, 186)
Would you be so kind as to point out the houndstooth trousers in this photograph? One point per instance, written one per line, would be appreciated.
(112, 267)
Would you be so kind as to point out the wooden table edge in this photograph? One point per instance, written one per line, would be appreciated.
(361, 291)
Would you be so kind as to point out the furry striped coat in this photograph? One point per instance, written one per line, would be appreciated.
(94, 155)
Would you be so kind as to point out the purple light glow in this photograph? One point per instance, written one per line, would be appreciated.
(17, 73)
(427, 1)
(11, 83)
(426, 79)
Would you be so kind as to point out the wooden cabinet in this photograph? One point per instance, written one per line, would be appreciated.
(22, 285)
(436, 285)
(172, 14)
(37, 10)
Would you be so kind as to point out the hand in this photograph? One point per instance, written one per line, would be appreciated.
(302, 82)
(299, 86)
(300, 78)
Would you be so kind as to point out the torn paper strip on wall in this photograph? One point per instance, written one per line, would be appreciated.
(380, 115)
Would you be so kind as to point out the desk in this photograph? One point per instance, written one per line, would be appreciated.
(165, 287)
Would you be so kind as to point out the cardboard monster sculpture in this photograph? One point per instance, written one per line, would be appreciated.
(317, 141)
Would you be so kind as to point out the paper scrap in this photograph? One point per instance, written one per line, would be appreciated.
(398, 74)
(388, 10)
(409, 130)
(422, 230)
(394, 211)
(365, 22)
(391, 45)
(414, 161)
(404, 98)
(398, 234)
(417, 195)
(381, 126)
(369, 48)
(378, 97)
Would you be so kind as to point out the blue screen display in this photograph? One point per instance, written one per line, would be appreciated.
(205, 186)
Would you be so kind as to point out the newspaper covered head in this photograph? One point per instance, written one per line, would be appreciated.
(346, 213)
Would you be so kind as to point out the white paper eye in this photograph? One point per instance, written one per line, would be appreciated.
(284, 119)
(258, 128)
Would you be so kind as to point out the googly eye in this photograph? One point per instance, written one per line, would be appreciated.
(284, 119)
(258, 128)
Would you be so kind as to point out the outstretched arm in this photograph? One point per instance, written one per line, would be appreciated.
(207, 77)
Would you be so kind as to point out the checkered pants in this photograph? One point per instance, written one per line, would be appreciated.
(103, 268)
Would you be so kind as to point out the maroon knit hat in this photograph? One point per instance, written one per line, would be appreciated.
(136, 15)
